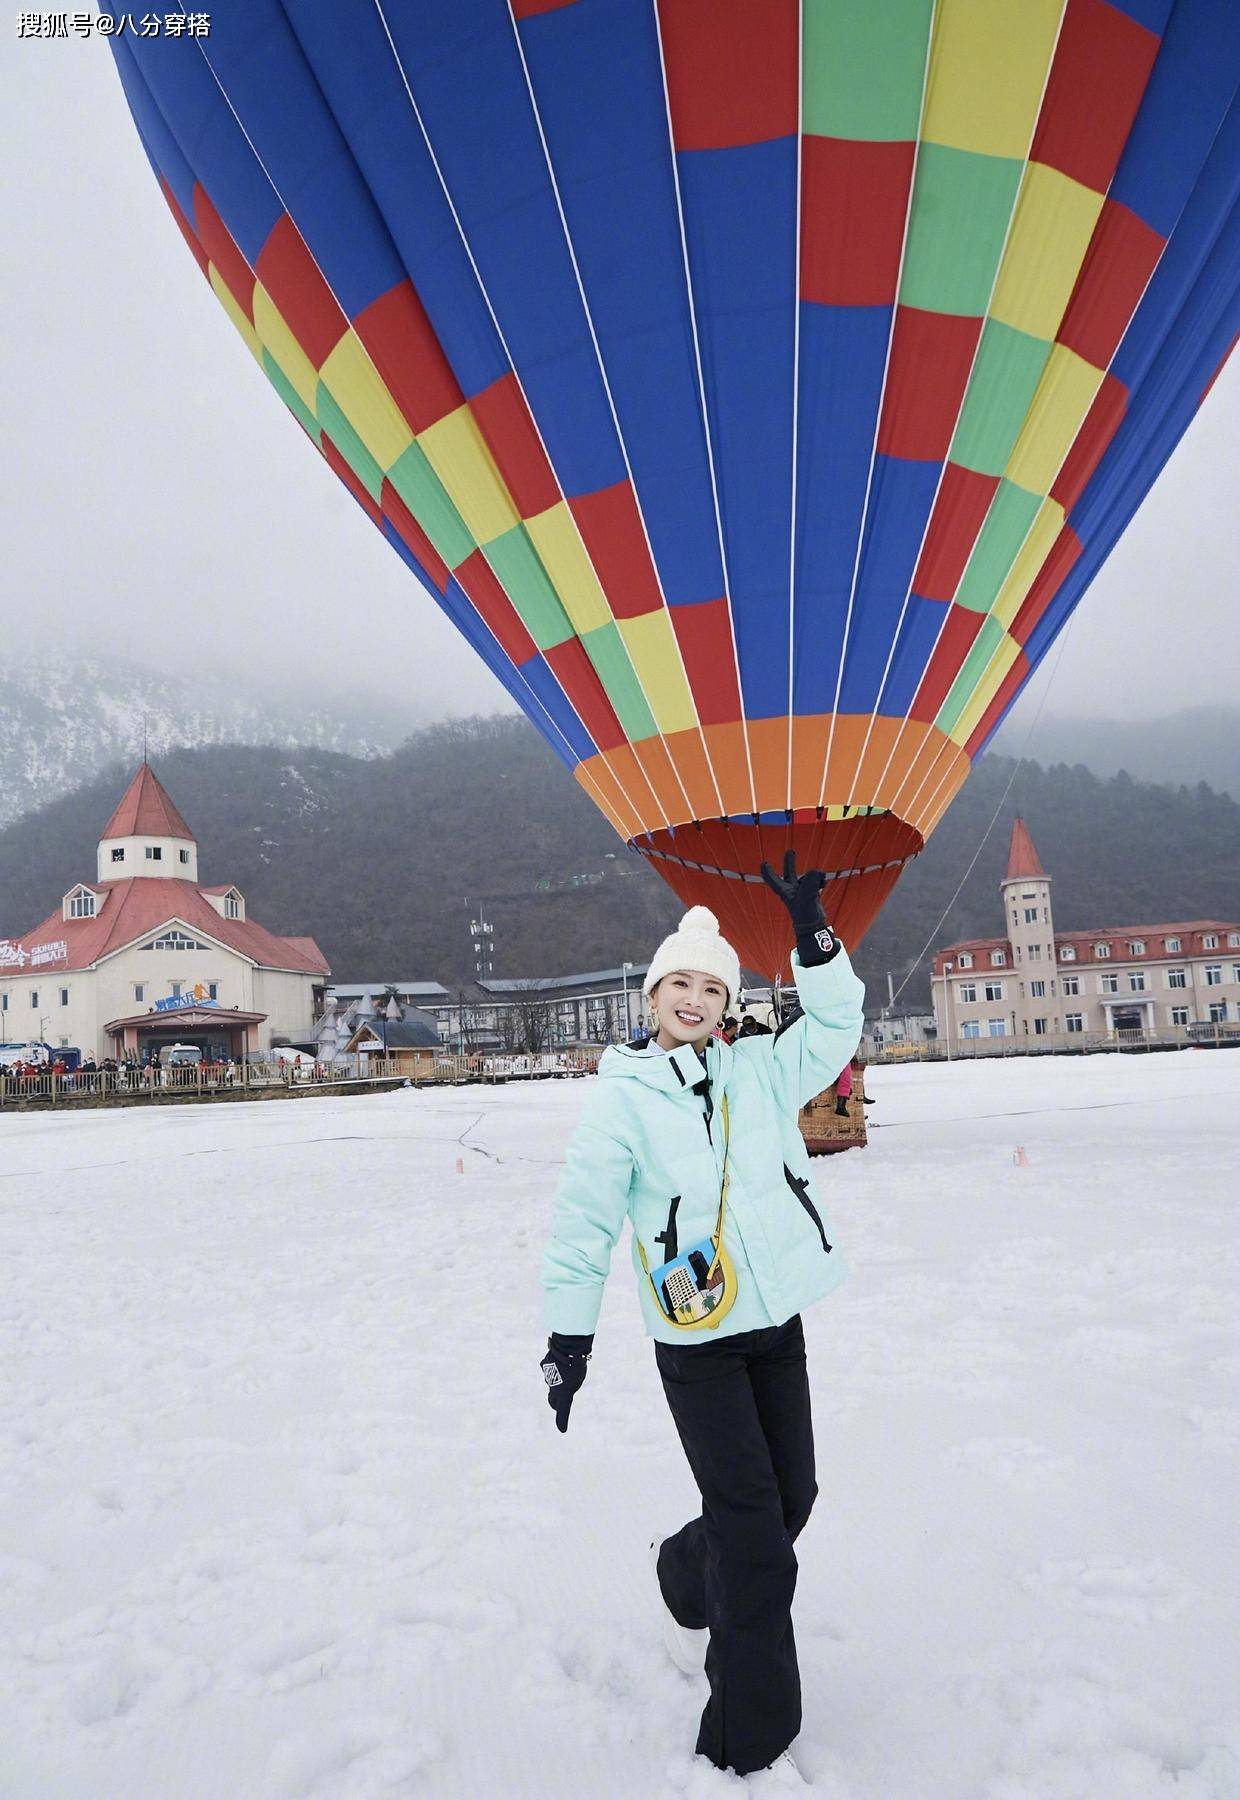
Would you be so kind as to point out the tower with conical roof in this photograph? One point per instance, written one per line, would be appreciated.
(146, 835)
(1026, 890)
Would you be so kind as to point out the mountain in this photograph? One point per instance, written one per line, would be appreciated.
(1202, 743)
(63, 719)
(384, 860)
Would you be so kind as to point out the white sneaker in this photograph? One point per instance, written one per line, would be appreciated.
(686, 1648)
(783, 1776)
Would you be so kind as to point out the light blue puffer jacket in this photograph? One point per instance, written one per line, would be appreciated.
(642, 1139)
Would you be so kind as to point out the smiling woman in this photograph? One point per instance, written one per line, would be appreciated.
(696, 1142)
(692, 1008)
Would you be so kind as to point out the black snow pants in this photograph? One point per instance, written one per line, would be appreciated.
(741, 1406)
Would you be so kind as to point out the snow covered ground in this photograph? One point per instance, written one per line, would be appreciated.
(283, 1511)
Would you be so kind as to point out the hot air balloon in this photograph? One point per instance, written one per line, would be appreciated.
(758, 385)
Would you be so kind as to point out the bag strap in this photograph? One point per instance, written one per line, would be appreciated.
(725, 1182)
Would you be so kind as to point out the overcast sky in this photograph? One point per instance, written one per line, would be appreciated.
(163, 506)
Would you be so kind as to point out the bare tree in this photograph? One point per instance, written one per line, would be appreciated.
(469, 1023)
(533, 1017)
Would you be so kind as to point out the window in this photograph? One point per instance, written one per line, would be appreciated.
(139, 991)
(1172, 944)
(994, 990)
(118, 855)
(1039, 1028)
(34, 996)
(154, 853)
(1046, 915)
(966, 992)
(1176, 978)
(1035, 952)
(1071, 984)
(1067, 952)
(1029, 894)
(966, 959)
(1108, 984)
(1102, 951)
(4, 1003)
(998, 959)
(1137, 982)
(1136, 946)
(1016, 953)
(184, 854)
(1235, 971)
(1015, 917)
(176, 990)
(1073, 1022)
(1210, 941)
(1233, 940)
(1037, 990)
(996, 1028)
(175, 940)
(1031, 915)
(82, 905)
(1214, 974)
(1179, 1015)
(213, 990)
(1218, 1012)
(971, 1028)
(64, 996)
(232, 907)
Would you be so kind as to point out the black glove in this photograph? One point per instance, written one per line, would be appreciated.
(816, 942)
(564, 1370)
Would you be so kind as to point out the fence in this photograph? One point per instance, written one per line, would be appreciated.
(1071, 1043)
(190, 1081)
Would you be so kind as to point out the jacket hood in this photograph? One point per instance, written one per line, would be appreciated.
(668, 1071)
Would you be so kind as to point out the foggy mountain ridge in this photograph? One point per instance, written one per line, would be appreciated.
(384, 860)
(1199, 743)
(64, 718)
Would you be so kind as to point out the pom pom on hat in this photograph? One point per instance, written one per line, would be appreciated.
(699, 918)
(696, 946)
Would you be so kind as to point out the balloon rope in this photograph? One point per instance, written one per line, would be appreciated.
(994, 815)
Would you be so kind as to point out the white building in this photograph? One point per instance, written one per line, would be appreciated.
(1040, 982)
(144, 956)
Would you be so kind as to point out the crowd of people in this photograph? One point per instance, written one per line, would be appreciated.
(111, 1073)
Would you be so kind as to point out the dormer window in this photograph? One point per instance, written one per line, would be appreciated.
(966, 959)
(232, 906)
(1136, 946)
(1102, 951)
(1172, 944)
(81, 904)
(1210, 941)
(998, 959)
(119, 855)
(1067, 952)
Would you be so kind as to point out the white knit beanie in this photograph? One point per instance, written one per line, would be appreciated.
(696, 946)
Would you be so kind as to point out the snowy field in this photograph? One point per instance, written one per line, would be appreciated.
(283, 1511)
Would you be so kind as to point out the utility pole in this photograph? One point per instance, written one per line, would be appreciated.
(947, 1023)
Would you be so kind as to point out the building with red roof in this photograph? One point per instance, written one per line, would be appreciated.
(1039, 982)
(144, 956)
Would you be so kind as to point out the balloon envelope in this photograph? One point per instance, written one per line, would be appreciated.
(758, 386)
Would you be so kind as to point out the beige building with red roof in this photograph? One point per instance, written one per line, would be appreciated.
(1040, 982)
(144, 956)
